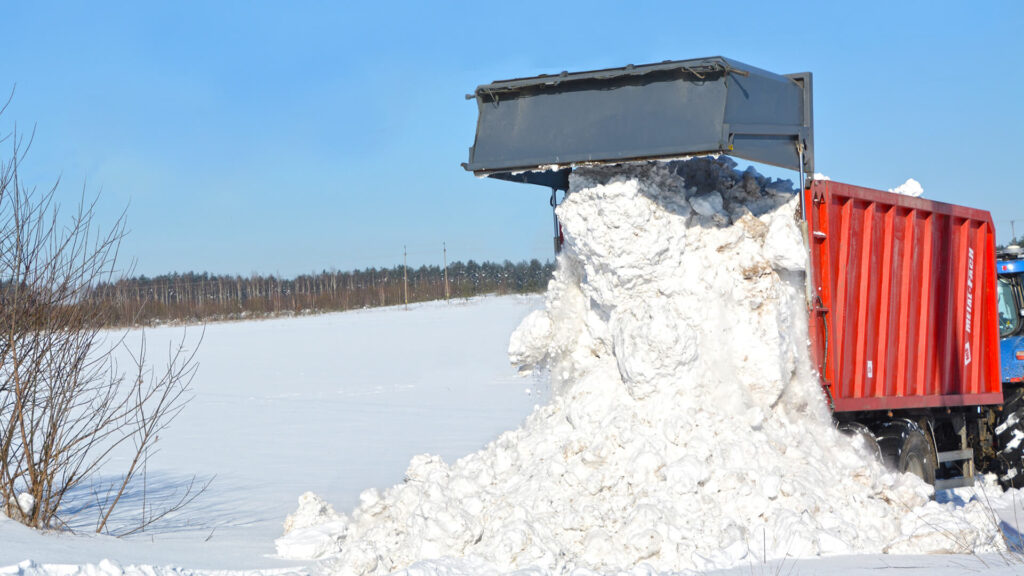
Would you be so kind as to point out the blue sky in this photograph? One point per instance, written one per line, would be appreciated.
(288, 137)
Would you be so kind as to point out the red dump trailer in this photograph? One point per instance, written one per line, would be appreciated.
(904, 328)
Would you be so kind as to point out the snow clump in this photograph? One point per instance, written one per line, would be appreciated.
(313, 531)
(686, 431)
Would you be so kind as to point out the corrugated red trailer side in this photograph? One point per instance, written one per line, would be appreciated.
(903, 311)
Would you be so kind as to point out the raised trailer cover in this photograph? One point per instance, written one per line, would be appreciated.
(534, 130)
(903, 300)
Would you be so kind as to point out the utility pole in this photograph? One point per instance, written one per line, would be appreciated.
(446, 293)
(1013, 234)
(405, 276)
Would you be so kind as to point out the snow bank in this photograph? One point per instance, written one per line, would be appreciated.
(686, 431)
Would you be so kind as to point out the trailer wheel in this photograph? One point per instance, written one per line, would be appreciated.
(905, 448)
(1010, 440)
(857, 430)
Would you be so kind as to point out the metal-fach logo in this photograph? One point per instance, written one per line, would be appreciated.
(970, 306)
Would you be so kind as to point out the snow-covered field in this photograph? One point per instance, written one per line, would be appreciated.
(335, 404)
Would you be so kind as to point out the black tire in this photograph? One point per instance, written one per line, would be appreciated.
(1009, 432)
(858, 430)
(905, 448)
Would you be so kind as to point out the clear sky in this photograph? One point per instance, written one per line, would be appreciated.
(289, 137)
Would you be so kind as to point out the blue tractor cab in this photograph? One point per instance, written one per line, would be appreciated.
(1010, 268)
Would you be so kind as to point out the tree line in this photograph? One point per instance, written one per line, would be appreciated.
(191, 297)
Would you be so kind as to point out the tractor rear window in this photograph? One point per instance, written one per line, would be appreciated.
(1009, 314)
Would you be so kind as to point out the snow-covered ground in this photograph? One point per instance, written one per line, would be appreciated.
(335, 404)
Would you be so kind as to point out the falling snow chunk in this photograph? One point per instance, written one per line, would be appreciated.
(708, 204)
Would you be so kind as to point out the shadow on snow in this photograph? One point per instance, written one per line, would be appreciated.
(157, 503)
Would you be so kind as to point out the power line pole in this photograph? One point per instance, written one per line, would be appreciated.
(405, 276)
(446, 293)
(1013, 234)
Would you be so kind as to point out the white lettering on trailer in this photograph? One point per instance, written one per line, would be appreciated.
(970, 306)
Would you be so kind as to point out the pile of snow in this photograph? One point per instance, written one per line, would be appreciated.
(686, 430)
(909, 188)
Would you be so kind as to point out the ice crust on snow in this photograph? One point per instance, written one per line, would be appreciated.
(686, 431)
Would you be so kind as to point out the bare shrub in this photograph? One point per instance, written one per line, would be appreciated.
(65, 406)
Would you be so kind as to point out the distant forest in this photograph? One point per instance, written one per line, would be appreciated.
(193, 297)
